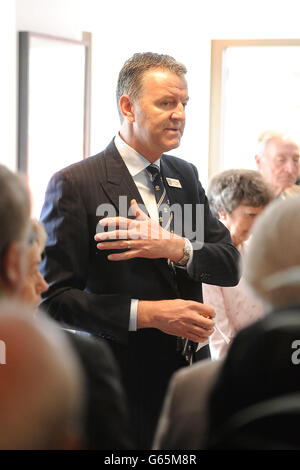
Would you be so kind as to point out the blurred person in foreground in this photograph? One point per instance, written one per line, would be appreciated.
(40, 379)
(237, 197)
(259, 366)
(138, 284)
(277, 160)
(106, 423)
(14, 232)
(106, 419)
(41, 384)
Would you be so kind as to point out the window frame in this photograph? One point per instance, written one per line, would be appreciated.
(218, 46)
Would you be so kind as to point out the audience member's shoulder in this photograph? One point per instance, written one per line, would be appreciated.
(292, 190)
(198, 373)
(96, 350)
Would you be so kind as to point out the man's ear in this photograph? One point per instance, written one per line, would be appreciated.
(14, 265)
(126, 107)
(257, 159)
(222, 215)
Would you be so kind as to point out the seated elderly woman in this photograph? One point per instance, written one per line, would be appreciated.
(236, 197)
(259, 380)
(34, 284)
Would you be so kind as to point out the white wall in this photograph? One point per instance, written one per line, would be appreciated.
(8, 83)
(182, 29)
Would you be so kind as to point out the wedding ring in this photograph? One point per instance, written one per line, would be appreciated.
(128, 244)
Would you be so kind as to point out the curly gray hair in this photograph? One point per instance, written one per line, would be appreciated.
(230, 188)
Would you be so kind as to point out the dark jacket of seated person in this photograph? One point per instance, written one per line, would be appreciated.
(107, 420)
(261, 365)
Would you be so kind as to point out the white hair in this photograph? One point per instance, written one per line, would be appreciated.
(266, 136)
(271, 264)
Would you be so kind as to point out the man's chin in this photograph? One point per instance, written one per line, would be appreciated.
(172, 145)
(286, 185)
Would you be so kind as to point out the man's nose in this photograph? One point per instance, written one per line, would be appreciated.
(291, 166)
(42, 285)
(179, 112)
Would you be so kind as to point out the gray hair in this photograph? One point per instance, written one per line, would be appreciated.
(132, 73)
(38, 234)
(272, 260)
(266, 136)
(230, 188)
(14, 208)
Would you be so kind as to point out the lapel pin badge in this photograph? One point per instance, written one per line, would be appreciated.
(173, 182)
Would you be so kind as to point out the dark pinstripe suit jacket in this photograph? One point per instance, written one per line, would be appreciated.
(91, 293)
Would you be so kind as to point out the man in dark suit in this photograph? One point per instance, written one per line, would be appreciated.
(140, 286)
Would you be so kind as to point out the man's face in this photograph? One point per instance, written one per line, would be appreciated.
(159, 114)
(280, 164)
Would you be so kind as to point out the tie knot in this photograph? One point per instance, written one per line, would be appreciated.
(154, 171)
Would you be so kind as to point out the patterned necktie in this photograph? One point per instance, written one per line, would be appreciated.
(166, 220)
(162, 201)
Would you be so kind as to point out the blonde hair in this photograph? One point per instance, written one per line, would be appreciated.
(42, 399)
(272, 260)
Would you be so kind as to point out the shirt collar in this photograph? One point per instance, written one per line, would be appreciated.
(134, 161)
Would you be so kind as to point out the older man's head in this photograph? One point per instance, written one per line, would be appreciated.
(272, 261)
(14, 226)
(277, 159)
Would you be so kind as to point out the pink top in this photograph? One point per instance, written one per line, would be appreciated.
(235, 308)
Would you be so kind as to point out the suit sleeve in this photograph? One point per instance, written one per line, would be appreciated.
(65, 267)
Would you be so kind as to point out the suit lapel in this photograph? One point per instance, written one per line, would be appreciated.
(116, 179)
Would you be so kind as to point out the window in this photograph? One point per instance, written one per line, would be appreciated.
(255, 86)
(53, 108)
